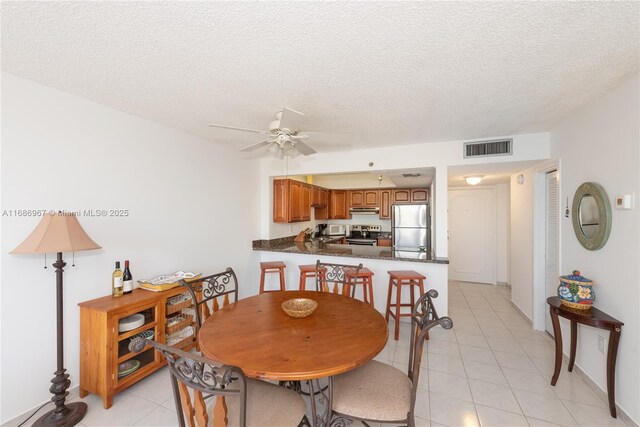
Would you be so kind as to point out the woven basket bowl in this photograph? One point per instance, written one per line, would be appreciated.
(299, 307)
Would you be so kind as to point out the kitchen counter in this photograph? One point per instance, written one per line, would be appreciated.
(318, 247)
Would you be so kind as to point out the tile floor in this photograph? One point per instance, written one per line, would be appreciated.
(491, 369)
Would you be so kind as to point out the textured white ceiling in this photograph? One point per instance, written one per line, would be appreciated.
(388, 72)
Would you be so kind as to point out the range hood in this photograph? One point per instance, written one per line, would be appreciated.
(365, 211)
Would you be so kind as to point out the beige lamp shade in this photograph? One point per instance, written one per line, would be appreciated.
(57, 233)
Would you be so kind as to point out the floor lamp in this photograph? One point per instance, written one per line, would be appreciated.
(59, 233)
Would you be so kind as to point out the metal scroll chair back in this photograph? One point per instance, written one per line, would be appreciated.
(423, 318)
(212, 292)
(190, 371)
(334, 278)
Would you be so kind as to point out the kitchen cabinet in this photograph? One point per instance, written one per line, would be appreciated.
(385, 204)
(371, 199)
(384, 242)
(103, 347)
(305, 202)
(338, 204)
(319, 197)
(411, 195)
(291, 201)
(356, 198)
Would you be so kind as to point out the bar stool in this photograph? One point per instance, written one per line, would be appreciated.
(365, 278)
(272, 267)
(307, 271)
(398, 279)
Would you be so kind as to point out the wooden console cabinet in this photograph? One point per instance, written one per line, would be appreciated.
(103, 348)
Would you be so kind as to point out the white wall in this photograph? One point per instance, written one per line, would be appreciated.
(601, 143)
(193, 206)
(439, 155)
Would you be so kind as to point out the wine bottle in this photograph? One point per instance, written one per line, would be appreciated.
(127, 280)
(116, 281)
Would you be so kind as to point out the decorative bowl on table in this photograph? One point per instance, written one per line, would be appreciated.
(576, 291)
(299, 307)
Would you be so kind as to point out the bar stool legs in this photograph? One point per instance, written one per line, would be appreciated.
(398, 279)
(272, 267)
(365, 278)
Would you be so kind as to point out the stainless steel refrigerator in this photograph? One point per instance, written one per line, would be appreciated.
(411, 227)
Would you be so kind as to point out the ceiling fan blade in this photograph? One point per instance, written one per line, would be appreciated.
(304, 148)
(299, 136)
(258, 145)
(263, 132)
(291, 119)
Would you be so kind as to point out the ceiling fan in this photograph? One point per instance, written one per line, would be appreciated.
(285, 139)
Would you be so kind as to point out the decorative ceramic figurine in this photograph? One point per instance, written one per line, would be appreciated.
(576, 291)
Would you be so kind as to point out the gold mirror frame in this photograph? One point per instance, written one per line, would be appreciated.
(604, 212)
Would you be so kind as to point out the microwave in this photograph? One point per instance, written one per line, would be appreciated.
(336, 229)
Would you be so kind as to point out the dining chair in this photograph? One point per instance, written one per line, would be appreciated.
(336, 278)
(212, 292)
(239, 401)
(379, 392)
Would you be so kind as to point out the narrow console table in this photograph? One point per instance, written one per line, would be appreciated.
(597, 319)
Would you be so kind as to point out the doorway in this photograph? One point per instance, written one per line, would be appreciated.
(472, 231)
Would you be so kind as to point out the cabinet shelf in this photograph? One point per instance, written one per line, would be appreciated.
(126, 335)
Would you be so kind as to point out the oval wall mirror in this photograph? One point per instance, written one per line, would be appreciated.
(591, 216)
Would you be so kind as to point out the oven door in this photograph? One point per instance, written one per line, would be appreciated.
(362, 242)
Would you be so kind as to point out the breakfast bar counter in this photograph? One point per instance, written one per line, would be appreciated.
(317, 247)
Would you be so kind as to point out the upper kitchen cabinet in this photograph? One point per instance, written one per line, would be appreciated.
(319, 197)
(363, 199)
(385, 204)
(338, 208)
(291, 201)
(410, 195)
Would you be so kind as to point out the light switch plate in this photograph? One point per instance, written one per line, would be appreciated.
(624, 201)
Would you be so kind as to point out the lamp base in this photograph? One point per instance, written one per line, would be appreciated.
(76, 411)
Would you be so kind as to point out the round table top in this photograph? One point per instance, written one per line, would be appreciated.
(256, 335)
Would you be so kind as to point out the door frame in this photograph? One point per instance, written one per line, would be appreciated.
(494, 247)
(539, 239)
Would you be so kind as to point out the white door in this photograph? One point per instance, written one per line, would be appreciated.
(552, 246)
(472, 230)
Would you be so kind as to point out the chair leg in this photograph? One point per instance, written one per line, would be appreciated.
(388, 309)
(282, 288)
(369, 284)
(398, 296)
(303, 281)
(261, 281)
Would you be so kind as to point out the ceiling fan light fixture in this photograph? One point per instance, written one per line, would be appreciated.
(473, 180)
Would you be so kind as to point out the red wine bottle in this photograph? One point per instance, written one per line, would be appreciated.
(127, 279)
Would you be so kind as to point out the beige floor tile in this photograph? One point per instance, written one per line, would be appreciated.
(156, 387)
(485, 372)
(491, 417)
(529, 381)
(494, 396)
(472, 339)
(130, 409)
(495, 331)
(544, 408)
(505, 343)
(534, 422)
(442, 363)
(421, 422)
(421, 409)
(159, 417)
(440, 334)
(477, 354)
(515, 361)
(446, 348)
(483, 312)
(571, 387)
(592, 416)
(452, 412)
(449, 385)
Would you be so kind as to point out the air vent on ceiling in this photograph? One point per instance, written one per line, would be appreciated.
(501, 147)
(410, 175)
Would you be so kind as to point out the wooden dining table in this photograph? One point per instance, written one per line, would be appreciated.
(256, 335)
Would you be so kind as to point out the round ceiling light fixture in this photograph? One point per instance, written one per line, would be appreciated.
(473, 180)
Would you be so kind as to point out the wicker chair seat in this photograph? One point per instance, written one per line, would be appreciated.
(375, 391)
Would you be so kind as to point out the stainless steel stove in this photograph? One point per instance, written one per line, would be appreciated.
(364, 235)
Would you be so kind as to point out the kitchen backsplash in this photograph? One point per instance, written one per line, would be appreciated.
(385, 224)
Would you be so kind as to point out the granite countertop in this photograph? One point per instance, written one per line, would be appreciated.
(315, 247)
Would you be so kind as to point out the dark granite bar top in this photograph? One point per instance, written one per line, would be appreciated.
(315, 247)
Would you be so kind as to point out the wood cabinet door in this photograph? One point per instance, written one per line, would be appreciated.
(385, 204)
(316, 199)
(371, 198)
(356, 198)
(280, 200)
(338, 204)
(420, 195)
(384, 242)
(402, 196)
(295, 194)
(324, 198)
(305, 203)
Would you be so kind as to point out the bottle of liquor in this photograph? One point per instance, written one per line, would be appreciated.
(127, 280)
(116, 281)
